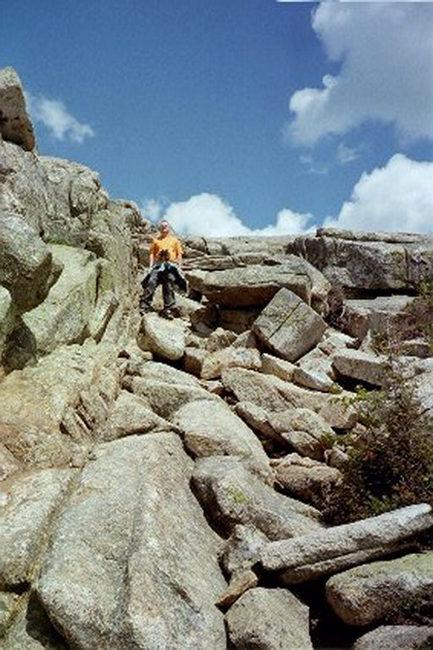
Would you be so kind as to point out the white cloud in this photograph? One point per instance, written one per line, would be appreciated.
(396, 197)
(207, 215)
(55, 116)
(152, 209)
(346, 154)
(386, 75)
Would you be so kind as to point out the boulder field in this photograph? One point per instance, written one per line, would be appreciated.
(161, 480)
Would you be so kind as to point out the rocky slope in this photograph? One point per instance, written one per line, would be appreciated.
(160, 481)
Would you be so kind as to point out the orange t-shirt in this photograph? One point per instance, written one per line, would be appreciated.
(170, 244)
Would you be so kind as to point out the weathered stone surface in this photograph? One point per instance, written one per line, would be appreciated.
(8, 464)
(216, 362)
(304, 478)
(27, 507)
(64, 316)
(245, 340)
(314, 370)
(241, 550)
(231, 495)
(270, 619)
(8, 601)
(255, 285)
(211, 429)
(238, 320)
(239, 584)
(376, 314)
(278, 367)
(270, 392)
(163, 337)
(130, 415)
(288, 326)
(165, 389)
(334, 340)
(362, 365)
(7, 316)
(26, 265)
(393, 637)
(37, 402)
(341, 547)
(368, 260)
(31, 629)
(258, 419)
(193, 360)
(131, 516)
(304, 430)
(220, 339)
(366, 594)
(15, 124)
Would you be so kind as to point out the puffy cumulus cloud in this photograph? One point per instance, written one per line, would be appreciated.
(208, 215)
(152, 209)
(396, 197)
(386, 74)
(54, 115)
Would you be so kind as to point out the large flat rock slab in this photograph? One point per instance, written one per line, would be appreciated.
(133, 563)
(255, 284)
(368, 593)
(288, 326)
(165, 338)
(334, 549)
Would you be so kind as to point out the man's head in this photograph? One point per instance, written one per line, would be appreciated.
(164, 227)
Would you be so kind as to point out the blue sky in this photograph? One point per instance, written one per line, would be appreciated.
(184, 106)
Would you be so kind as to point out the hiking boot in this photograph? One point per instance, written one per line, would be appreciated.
(168, 313)
(145, 308)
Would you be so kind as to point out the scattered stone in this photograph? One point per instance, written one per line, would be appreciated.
(163, 337)
(15, 124)
(210, 428)
(216, 362)
(7, 316)
(334, 341)
(278, 367)
(314, 371)
(375, 314)
(132, 514)
(8, 602)
(270, 619)
(288, 326)
(367, 593)
(230, 495)
(363, 366)
(239, 584)
(334, 549)
(393, 637)
(304, 478)
(8, 464)
(241, 550)
(258, 419)
(27, 506)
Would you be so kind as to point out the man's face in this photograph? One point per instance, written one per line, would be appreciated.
(164, 228)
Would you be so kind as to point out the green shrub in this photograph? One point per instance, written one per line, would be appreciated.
(390, 460)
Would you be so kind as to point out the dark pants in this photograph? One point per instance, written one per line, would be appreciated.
(164, 274)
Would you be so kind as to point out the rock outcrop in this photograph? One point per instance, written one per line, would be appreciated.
(162, 481)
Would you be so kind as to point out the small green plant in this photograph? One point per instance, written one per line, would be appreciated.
(390, 461)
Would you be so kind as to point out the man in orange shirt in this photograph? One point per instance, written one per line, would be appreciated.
(165, 257)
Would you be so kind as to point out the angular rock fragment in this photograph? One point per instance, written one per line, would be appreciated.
(393, 637)
(314, 370)
(239, 584)
(231, 495)
(367, 593)
(27, 507)
(288, 326)
(193, 360)
(334, 549)
(357, 364)
(304, 430)
(15, 124)
(220, 339)
(269, 619)
(130, 416)
(133, 563)
(278, 367)
(304, 478)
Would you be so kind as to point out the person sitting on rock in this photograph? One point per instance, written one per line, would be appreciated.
(165, 257)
